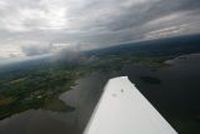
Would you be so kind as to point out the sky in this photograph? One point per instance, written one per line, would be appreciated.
(37, 27)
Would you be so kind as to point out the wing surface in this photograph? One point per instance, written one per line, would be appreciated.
(122, 109)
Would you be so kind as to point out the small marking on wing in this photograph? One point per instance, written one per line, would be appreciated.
(114, 95)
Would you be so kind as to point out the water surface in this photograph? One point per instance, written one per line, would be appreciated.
(176, 96)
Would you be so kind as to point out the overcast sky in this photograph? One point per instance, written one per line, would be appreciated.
(34, 27)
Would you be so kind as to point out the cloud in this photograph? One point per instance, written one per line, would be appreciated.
(35, 50)
(84, 24)
(10, 51)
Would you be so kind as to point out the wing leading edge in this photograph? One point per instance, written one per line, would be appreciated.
(122, 109)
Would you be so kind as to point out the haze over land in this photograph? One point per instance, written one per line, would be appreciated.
(36, 27)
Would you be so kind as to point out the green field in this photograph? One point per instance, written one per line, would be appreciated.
(40, 88)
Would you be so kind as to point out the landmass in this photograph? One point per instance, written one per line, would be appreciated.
(38, 84)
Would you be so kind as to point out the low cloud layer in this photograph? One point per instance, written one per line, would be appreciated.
(33, 27)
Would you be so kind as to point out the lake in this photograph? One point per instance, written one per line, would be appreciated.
(174, 90)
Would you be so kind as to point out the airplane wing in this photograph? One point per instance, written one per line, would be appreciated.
(122, 109)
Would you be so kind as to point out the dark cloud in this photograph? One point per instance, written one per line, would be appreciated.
(35, 50)
(93, 24)
(140, 14)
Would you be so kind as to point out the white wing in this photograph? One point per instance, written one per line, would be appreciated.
(122, 109)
